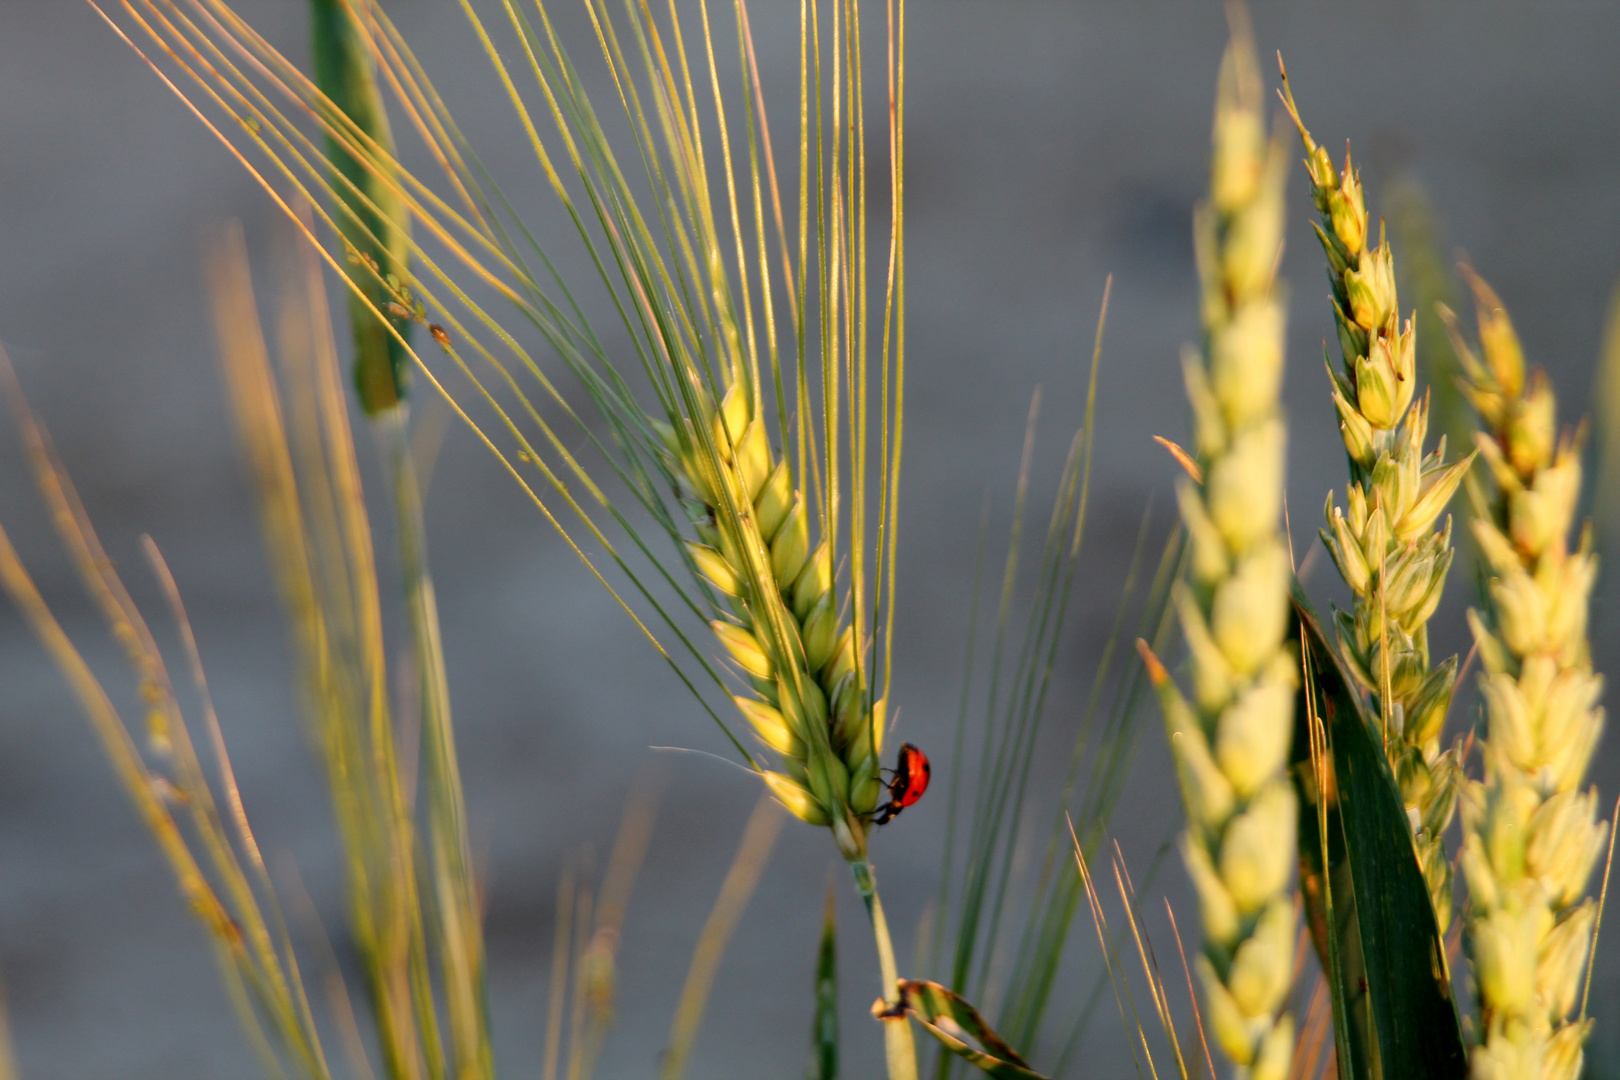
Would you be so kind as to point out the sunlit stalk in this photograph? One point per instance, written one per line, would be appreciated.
(900, 1051)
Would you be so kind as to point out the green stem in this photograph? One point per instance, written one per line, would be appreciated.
(898, 1047)
(367, 208)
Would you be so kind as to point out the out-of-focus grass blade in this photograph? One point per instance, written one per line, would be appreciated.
(1114, 967)
(735, 892)
(562, 948)
(1150, 962)
(8, 1064)
(208, 864)
(300, 449)
(1313, 1034)
(1381, 921)
(1103, 746)
(598, 929)
(1603, 902)
(1192, 993)
(824, 1032)
(947, 1017)
(979, 897)
(1606, 411)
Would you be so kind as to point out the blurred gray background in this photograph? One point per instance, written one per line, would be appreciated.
(1051, 144)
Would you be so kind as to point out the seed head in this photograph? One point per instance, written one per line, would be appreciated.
(779, 615)
(1531, 836)
(1230, 740)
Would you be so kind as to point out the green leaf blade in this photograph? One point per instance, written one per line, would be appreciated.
(1393, 985)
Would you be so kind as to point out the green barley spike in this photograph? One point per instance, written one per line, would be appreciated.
(375, 227)
(1530, 834)
(1385, 541)
(1231, 735)
(778, 617)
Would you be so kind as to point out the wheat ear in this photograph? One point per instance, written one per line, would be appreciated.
(1231, 740)
(1530, 835)
(1385, 542)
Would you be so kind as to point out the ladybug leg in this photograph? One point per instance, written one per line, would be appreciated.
(886, 812)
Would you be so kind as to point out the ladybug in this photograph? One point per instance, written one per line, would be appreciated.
(911, 774)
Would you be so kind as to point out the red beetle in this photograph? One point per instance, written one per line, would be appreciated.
(910, 780)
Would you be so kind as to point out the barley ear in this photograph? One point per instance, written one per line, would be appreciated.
(1230, 737)
(1531, 836)
(778, 617)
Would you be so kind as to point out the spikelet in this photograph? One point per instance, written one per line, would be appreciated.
(1231, 740)
(1530, 835)
(778, 617)
(1389, 542)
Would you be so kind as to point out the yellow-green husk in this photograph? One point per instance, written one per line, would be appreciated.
(1530, 834)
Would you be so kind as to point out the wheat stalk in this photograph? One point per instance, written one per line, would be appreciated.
(1385, 542)
(1531, 836)
(1231, 740)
